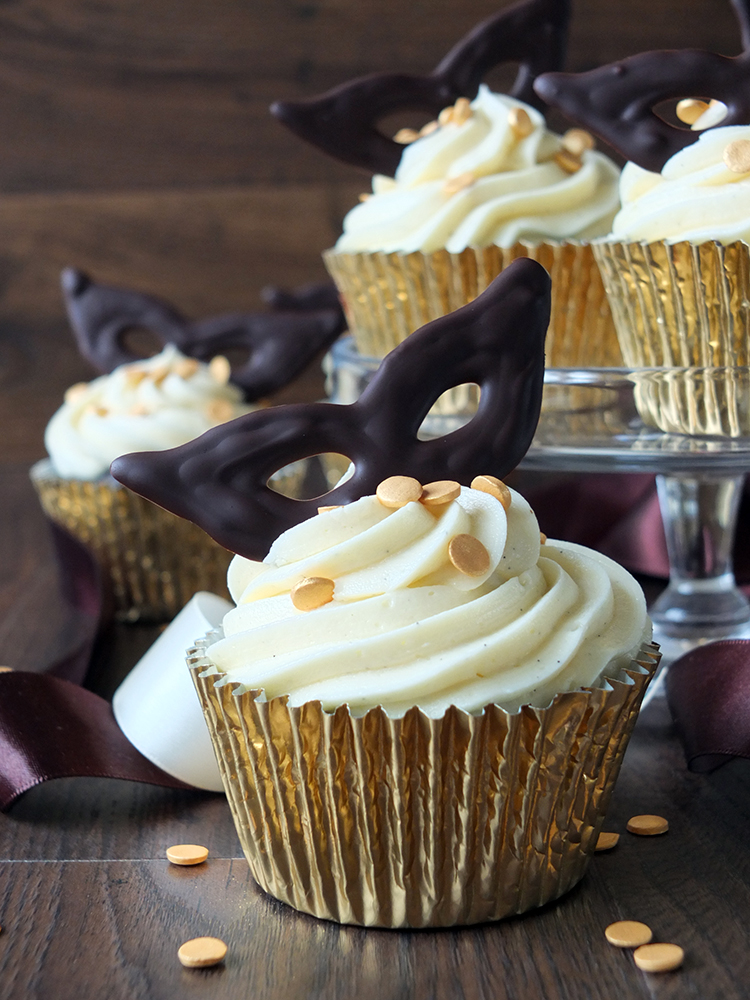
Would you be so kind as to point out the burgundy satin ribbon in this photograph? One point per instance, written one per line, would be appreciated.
(50, 727)
(708, 692)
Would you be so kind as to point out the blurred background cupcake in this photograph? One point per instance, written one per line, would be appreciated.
(153, 561)
(676, 265)
(482, 184)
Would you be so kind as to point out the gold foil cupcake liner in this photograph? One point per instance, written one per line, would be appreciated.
(387, 296)
(684, 308)
(414, 821)
(153, 561)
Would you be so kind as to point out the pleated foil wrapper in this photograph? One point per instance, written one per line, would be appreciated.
(684, 308)
(387, 296)
(152, 561)
(418, 822)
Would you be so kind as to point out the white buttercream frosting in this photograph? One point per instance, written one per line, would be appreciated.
(405, 627)
(695, 198)
(519, 191)
(149, 405)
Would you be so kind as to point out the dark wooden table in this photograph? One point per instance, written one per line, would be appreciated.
(90, 908)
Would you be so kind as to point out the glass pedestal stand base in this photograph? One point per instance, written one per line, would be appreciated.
(589, 423)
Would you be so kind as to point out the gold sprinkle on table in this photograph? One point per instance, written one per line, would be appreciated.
(312, 592)
(440, 493)
(220, 369)
(468, 555)
(455, 184)
(520, 123)
(659, 957)
(737, 156)
(577, 141)
(404, 136)
(494, 486)
(567, 161)
(690, 109)
(187, 854)
(647, 825)
(202, 952)
(628, 934)
(606, 841)
(398, 491)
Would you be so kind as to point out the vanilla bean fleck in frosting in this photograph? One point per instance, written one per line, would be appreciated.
(410, 622)
(491, 173)
(157, 403)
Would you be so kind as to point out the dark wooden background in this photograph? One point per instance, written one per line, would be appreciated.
(136, 143)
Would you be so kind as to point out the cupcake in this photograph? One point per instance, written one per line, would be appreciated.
(676, 265)
(483, 184)
(419, 705)
(153, 561)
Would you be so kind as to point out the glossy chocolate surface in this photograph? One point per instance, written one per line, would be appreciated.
(617, 101)
(219, 480)
(343, 121)
(277, 345)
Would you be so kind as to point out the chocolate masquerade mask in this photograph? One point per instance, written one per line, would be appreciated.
(278, 345)
(342, 122)
(219, 480)
(616, 101)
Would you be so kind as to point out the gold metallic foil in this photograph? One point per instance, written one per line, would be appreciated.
(419, 822)
(684, 308)
(387, 296)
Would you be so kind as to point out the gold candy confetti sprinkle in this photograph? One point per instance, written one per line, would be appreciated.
(220, 369)
(520, 122)
(577, 141)
(440, 493)
(187, 854)
(404, 136)
(737, 156)
(398, 491)
(312, 592)
(468, 555)
(455, 184)
(659, 957)
(495, 487)
(567, 161)
(202, 952)
(628, 934)
(606, 841)
(647, 825)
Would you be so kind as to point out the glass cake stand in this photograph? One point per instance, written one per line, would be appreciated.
(590, 423)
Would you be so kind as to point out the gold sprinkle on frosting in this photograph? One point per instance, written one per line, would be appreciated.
(520, 122)
(737, 156)
(312, 592)
(577, 141)
(440, 493)
(468, 555)
(405, 136)
(494, 486)
(398, 491)
(455, 184)
(220, 369)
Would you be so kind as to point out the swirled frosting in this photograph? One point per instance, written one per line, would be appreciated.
(406, 627)
(516, 188)
(150, 405)
(695, 198)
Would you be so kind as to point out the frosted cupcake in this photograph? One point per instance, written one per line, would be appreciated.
(154, 561)
(419, 705)
(483, 184)
(676, 265)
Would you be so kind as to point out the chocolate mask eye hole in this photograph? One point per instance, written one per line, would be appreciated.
(617, 102)
(275, 347)
(219, 480)
(344, 121)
